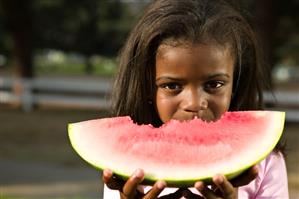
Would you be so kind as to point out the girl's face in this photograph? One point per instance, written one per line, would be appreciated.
(193, 81)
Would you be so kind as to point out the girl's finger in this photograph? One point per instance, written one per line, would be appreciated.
(130, 187)
(205, 191)
(246, 177)
(156, 190)
(182, 192)
(186, 193)
(112, 181)
(227, 189)
(107, 175)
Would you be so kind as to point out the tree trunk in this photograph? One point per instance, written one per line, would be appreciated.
(18, 18)
(266, 15)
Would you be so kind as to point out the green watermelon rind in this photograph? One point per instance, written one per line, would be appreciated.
(149, 180)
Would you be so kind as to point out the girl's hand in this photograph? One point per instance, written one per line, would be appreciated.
(129, 189)
(225, 189)
(246, 177)
(222, 188)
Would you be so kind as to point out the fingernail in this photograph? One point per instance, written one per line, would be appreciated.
(138, 174)
(218, 179)
(199, 185)
(161, 184)
(107, 173)
(255, 169)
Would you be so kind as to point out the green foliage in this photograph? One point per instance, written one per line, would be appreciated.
(53, 62)
(87, 27)
(101, 26)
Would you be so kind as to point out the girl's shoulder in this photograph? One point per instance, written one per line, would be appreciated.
(271, 181)
(273, 162)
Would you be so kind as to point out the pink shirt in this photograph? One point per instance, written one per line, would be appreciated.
(271, 182)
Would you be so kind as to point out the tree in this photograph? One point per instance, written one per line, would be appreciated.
(18, 22)
(88, 27)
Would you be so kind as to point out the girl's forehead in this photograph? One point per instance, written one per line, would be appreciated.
(194, 60)
(164, 49)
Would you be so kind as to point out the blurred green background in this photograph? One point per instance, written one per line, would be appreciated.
(57, 62)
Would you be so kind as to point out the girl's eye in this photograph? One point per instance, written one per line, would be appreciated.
(213, 85)
(172, 86)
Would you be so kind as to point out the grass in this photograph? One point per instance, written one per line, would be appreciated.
(56, 62)
(40, 135)
(108, 69)
(59, 63)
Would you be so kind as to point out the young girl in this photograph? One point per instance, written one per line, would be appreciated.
(187, 59)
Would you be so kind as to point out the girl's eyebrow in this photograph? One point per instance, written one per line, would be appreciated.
(208, 76)
(217, 75)
(169, 78)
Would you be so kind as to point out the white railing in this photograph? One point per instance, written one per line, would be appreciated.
(94, 94)
(80, 93)
(287, 101)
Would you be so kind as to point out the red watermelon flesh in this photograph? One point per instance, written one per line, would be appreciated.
(179, 152)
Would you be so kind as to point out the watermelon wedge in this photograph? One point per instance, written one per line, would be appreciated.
(179, 152)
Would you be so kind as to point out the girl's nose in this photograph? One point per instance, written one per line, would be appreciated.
(195, 100)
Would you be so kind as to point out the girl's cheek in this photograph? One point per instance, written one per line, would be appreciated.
(166, 108)
(220, 106)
